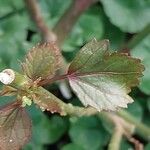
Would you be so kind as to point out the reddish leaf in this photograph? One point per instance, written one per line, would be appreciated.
(102, 79)
(15, 127)
(42, 61)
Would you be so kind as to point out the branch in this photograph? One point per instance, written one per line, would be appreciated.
(119, 127)
(136, 39)
(67, 21)
(116, 138)
(35, 13)
(19, 81)
(69, 109)
(139, 37)
(141, 129)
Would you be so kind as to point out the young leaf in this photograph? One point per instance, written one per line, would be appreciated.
(42, 61)
(102, 79)
(15, 127)
(46, 100)
(8, 91)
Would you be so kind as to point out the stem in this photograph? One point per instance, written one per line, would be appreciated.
(116, 138)
(67, 21)
(69, 109)
(139, 37)
(35, 13)
(136, 39)
(141, 129)
(52, 80)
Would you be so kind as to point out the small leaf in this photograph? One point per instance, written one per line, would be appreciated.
(46, 100)
(15, 127)
(42, 61)
(8, 91)
(102, 79)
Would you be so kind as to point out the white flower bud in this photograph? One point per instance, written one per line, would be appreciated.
(7, 76)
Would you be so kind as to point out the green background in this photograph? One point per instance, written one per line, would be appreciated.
(116, 20)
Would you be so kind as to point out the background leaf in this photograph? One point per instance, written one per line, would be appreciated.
(129, 15)
(82, 31)
(45, 130)
(72, 146)
(88, 133)
(102, 80)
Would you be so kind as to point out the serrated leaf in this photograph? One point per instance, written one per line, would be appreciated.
(46, 100)
(102, 79)
(15, 127)
(129, 15)
(42, 61)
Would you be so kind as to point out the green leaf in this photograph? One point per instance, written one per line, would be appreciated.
(72, 146)
(129, 15)
(57, 127)
(125, 145)
(88, 133)
(42, 61)
(10, 6)
(136, 110)
(142, 51)
(15, 127)
(53, 10)
(147, 147)
(102, 79)
(45, 130)
(32, 146)
(148, 104)
(114, 34)
(88, 26)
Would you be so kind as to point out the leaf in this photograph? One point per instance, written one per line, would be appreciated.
(136, 110)
(46, 100)
(42, 61)
(129, 15)
(15, 127)
(72, 146)
(110, 33)
(45, 130)
(102, 79)
(8, 91)
(87, 132)
(142, 51)
(89, 26)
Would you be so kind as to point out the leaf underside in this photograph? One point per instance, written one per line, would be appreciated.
(102, 79)
(42, 61)
(46, 100)
(15, 127)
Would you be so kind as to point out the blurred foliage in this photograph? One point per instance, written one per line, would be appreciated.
(115, 20)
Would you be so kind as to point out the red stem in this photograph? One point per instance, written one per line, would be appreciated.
(50, 81)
